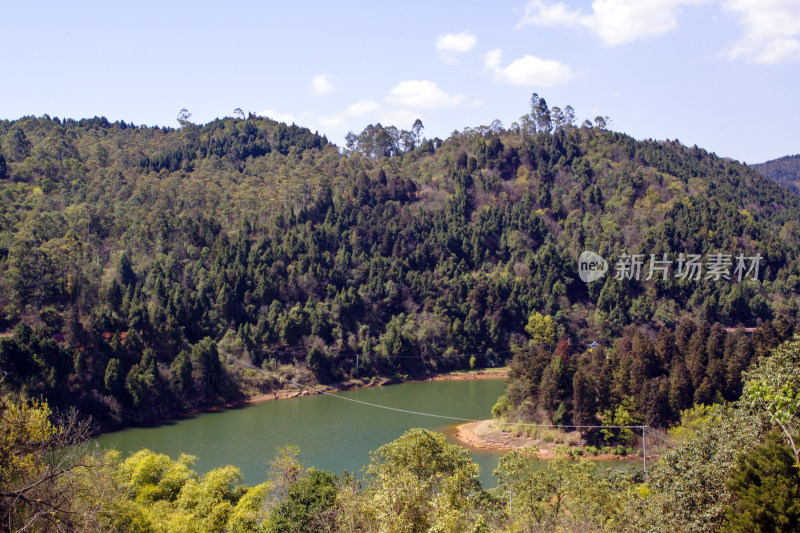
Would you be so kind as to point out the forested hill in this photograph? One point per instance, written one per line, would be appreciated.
(784, 171)
(145, 270)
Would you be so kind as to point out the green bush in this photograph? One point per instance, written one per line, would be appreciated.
(766, 484)
(501, 407)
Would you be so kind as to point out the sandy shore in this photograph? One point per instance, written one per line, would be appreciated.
(487, 435)
(489, 373)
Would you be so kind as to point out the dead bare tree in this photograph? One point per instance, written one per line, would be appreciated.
(51, 477)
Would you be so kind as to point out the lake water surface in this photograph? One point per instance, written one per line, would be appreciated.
(332, 433)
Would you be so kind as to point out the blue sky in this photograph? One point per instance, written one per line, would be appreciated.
(722, 74)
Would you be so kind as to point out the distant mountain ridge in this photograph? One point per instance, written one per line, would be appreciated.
(784, 171)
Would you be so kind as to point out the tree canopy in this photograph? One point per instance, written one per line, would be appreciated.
(150, 270)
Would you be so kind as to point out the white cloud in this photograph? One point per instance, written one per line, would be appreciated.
(613, 21)
(770, 28)
(450, 44)
(422, 94)
(537, 13)
(401, 118)
(771, 31)
(358, 109)
(335, 120)
(362, 107)
(528, 70)
(353, 117)
(275, 115)
(321, 85)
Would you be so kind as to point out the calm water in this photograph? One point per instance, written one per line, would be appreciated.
(333, 434)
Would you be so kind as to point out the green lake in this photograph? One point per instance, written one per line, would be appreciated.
(332, 433)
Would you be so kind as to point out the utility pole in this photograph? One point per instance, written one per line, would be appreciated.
(356, 365)
(644, 452)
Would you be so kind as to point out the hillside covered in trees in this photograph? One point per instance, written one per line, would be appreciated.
(731, 468)
(148, 270)
(784, 171)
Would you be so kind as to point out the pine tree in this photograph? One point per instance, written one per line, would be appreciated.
(180, 373)
(113, 377)
(683, 333)
(644, 361)
(696, 358)
(704, 394)
(655, 402)
(681, 392)
(583, 399)
(551, 389)
(665, 346)
(741, 354)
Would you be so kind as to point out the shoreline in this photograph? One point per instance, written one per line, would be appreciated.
(311, 390)
(285, 394)
(484, 435)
